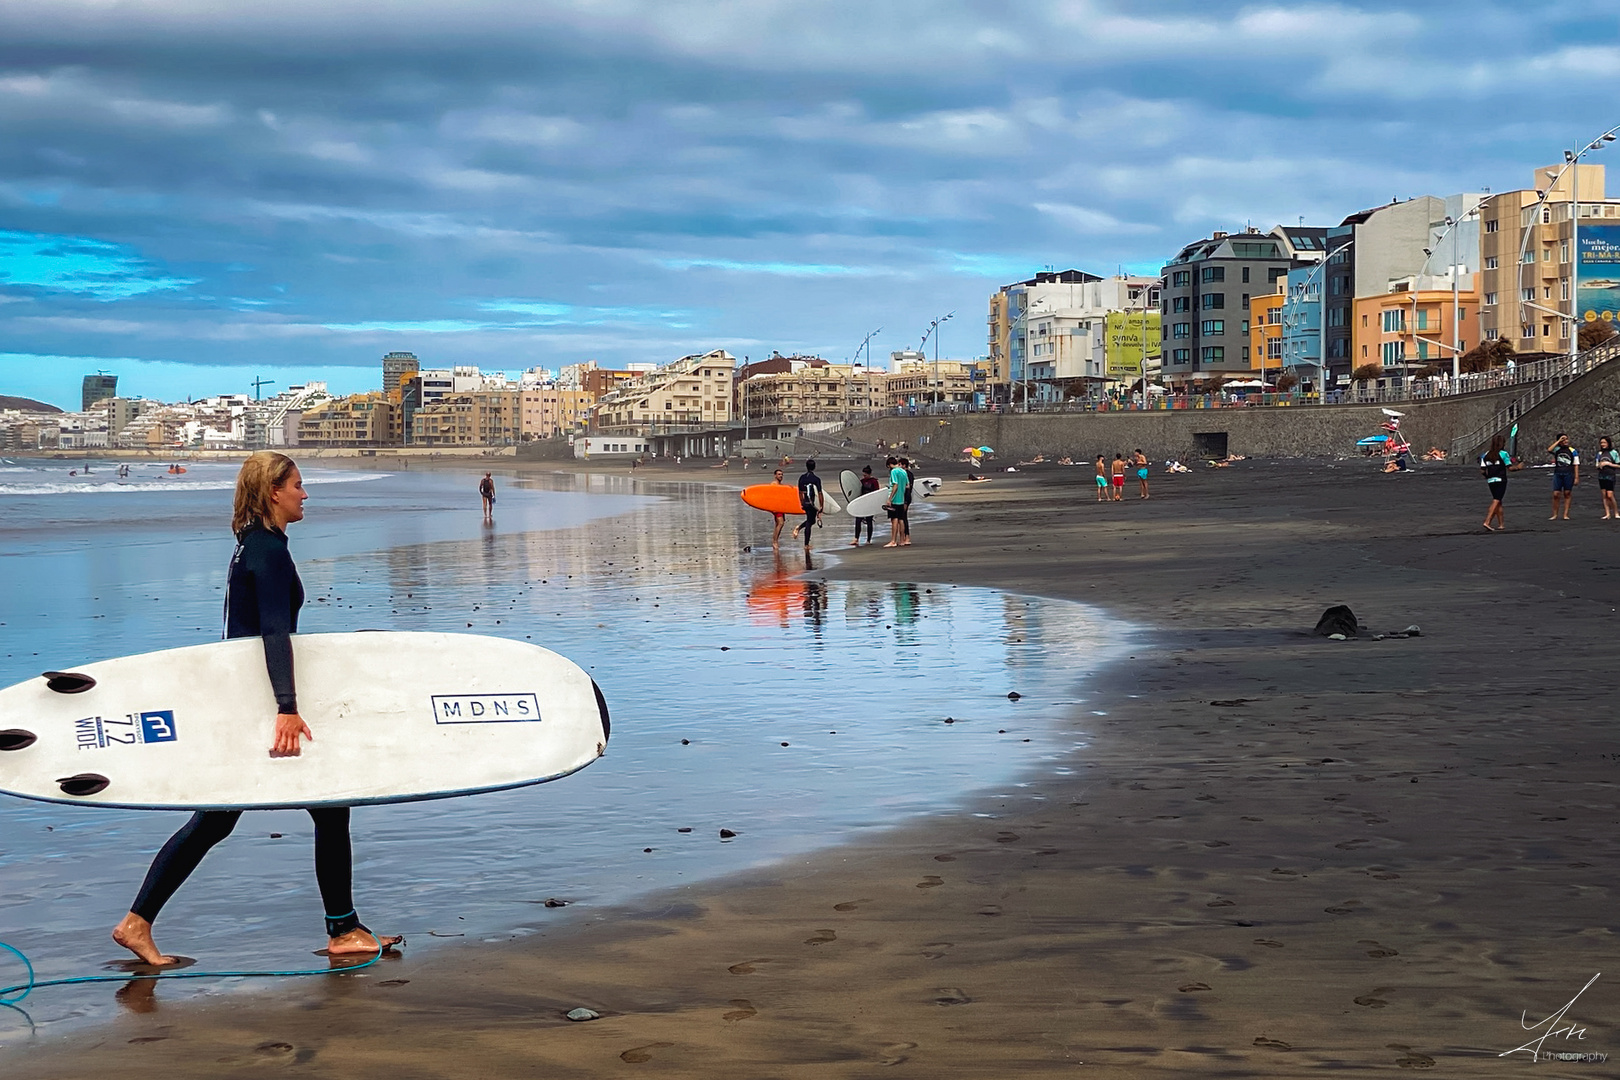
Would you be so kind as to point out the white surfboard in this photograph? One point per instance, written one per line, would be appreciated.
(397, 717)
(928, 486)
(850, 484)
(870, 504)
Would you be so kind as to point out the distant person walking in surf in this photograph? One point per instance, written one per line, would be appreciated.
(486, 489)
(899, 481)
(1608, 465)
(262, 598)
(1566, 463)
(1102, 478)
(1495, 464)
(868, 483)
(1141, 462)
(811, 500)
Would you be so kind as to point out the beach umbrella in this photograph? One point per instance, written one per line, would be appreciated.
(970, 449)
(1373, 440)
(985, 450)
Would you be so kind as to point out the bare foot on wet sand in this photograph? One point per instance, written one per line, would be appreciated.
(135, 934)
(359, 942)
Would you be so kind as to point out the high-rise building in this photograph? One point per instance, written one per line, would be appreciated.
(395, 365)
(1206, 294)
(97, 388)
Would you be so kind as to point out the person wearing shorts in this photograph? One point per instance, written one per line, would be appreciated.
(1102, 478)
(1495, 463)
(899, 480)
(1141, 463)
(1566, 462)
(1608, 464)
(1119, 477)
(781, 519)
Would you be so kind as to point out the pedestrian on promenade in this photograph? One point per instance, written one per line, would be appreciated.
(1102, 478)
(1141, 471)
(1608, 464)
(899, 479)
(1566, 461)
(486, 489)
(1495, 465)
(1119, 477)
(781, 519)
(262, 598)
(810, 500)
(869, 483)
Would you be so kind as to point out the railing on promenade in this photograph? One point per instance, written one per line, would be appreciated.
(1557, 373)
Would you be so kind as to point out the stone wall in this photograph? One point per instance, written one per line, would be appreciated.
(1292, 431)
(1587, 408)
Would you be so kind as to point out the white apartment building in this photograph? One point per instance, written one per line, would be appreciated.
(1053, 328)
(693, 393)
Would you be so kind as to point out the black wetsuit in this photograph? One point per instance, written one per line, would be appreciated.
(262, 598)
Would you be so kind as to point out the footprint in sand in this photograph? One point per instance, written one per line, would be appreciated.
(1351, 845)
(741, 1009)
(895, 1053)
(932, 946)
(851, 905)
(1006, 837)
(747, 966)
(637, 1054)
(1206, 798)
(929, 881)
(1221, 903)
(1216, 843)
(1411, 1059)
(1370, 1002)
(1378, 952)
(991, 910)
(147, 1039)
(1386, 875)
(1192, 988)
(950, 995)
(1268, 943)
(821, 938)
(1272, 1044)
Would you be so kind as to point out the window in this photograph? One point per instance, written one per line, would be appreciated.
(1181, 278)
(1394, 321)
(1214, 300)
(1546, 253)
(1546, 215)
(1490, 335)
(1213, 326)
(1213, 273)
(1274, 349)
(1254, 251)
(1180, 303)
(1213, 354)
(1245, 354)
(1275, 272)
(1245, 326)
(1490, 299)
(1492, 262)
(1336, 316)
(1394, 352)
(1180, 356)
(1245, 296)
(1490, 226)
(1563, 251)
(1546, 329)
(1181, 330)
(1245, 275)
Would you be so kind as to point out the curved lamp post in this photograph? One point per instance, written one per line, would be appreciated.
(1456, 321)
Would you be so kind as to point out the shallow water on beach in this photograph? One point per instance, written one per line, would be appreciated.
(812, 711)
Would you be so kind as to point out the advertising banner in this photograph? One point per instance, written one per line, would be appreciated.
(1597, 279)
(1123, 346)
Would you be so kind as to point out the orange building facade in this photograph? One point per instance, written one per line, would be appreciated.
(1405, 330)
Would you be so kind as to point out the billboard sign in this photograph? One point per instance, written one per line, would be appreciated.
(1123, 345)
(1597, 280)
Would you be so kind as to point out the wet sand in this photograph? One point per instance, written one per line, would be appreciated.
(1278, 854)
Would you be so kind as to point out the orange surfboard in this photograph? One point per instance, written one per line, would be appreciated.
(773, 498)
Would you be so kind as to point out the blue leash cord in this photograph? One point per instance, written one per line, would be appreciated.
(32, 984)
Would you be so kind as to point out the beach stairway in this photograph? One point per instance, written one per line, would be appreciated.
(1548, 377)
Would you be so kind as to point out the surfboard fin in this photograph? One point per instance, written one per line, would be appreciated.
(16, 739)
(86, 783)
(601, 707)
(68, 682)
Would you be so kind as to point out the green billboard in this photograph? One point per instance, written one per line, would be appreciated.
(1123, 346)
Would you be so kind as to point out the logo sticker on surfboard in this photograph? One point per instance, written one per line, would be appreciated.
(485, 708)
(98, 733)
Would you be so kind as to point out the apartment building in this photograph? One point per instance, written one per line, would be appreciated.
(1207, 291)
(395, 366)
(477, 418)
(1064, 329)
(803, 389)
(913, 380)
(358, 420)
(1418, 325)
(1532, 230)
(549, 410)
(694, 392)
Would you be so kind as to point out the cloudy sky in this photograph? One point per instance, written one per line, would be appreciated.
(193, 193)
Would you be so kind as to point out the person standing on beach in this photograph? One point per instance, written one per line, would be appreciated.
(1141, 471)
(899, 482)
(868, 484)
(262, 598)
(810, 499)
(486, 489)
(781, 519)
(1566, 461)
(1608, 464)
(1495, 463)
(911, 489)
(1102, 478)
(1119, 477)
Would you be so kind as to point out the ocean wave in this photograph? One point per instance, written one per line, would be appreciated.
(94, 486)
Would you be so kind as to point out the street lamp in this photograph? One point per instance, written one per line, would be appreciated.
(1293, 300)
(933, 326)
(1456, 317)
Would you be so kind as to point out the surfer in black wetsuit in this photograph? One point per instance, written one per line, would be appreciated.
(262, 598)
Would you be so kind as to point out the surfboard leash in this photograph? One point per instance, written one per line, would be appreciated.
(33, 984)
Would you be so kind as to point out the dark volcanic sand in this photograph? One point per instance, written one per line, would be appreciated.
(1279, 855)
